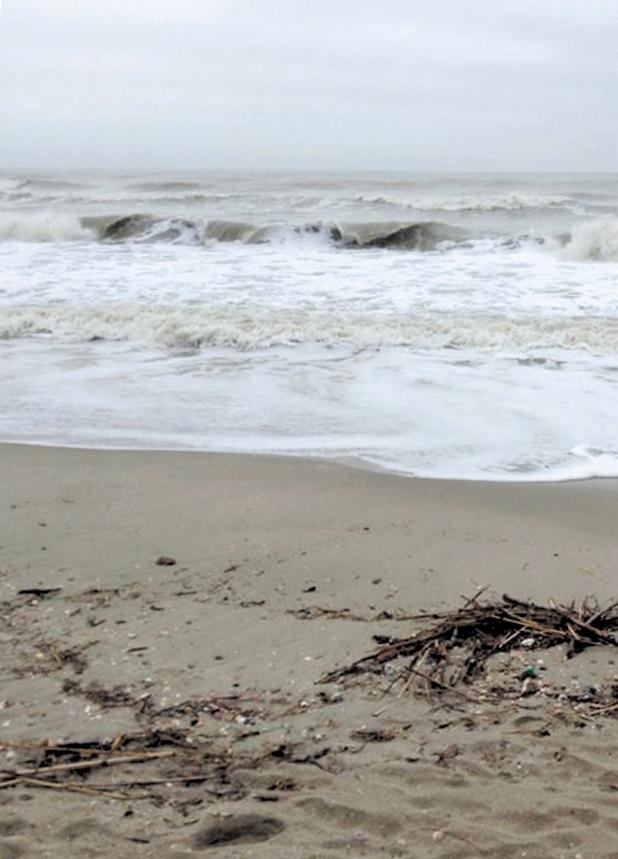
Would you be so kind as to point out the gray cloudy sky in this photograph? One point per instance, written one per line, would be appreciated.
(410, 84)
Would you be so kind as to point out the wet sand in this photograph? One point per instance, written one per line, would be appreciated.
(284, 569)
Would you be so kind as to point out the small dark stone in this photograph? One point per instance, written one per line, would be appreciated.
(166, 561)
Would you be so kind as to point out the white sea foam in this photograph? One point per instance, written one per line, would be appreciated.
(42, 227)
(440, 413)
(510, 202)
(249, 328)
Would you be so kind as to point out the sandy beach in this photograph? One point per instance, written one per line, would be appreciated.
(197, 600)
(308, 430)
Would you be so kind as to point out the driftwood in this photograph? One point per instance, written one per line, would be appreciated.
(181, 758)
(54, 761)
(456, 647)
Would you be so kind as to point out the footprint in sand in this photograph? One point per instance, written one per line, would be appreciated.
(9, 828)
(348, 817)
(242, 829)
(12, 826)
(12, 850)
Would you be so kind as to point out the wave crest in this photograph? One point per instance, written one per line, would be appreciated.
(43, 227)
(424, 235)
(591, 240)
(513, 202)
(149, 229)
(597, 240)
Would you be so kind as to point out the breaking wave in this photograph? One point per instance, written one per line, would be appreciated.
(590, 240)
(43, 227)
(147, 228)
(596, 239)
(143, 228)
(425, 235)
(251, 329)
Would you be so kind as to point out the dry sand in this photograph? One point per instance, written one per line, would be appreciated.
(285, 569)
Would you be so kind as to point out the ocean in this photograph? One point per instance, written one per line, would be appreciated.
(446, 326)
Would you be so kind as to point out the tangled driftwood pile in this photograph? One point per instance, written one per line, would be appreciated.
(456, 645)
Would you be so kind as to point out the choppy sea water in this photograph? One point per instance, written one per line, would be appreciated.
(443, 326)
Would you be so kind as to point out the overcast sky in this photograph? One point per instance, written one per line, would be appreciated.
(358, 84)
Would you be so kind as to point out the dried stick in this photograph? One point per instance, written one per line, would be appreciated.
(90, 764)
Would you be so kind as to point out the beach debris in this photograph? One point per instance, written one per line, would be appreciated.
(529, 687)
(39, 593)
(374, 735)
(449, 753)
(455, 647)
(289, 752)
(67, 766)
(166, 561)
(200, 749)
(312, 612)
(528, 671)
